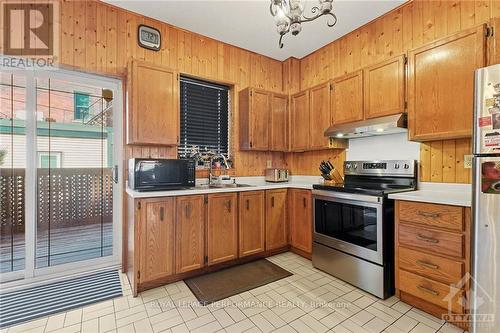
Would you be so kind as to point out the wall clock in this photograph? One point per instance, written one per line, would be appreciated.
(149, 37)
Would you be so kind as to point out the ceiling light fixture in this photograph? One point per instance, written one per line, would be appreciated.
(288, 15)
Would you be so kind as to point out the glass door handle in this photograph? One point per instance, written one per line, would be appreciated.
(115, 174)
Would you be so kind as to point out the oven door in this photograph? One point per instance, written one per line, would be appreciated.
(351, 223)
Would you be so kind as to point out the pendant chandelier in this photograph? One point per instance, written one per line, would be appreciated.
(288, 15)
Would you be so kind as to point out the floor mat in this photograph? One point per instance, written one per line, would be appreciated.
(215, 286)
(28, 304)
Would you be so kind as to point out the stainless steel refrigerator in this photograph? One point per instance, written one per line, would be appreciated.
(485, 305)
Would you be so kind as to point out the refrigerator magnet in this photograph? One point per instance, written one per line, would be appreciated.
(484, 121)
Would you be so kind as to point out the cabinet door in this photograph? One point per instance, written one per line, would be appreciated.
(347, 98)
(251, 223)
(156, 238)
(301, 220)
(320, 115)
(279, 122)
(385, 88)
(299, 121)
(260, 105)
(276, 222)
(222, 228)
(190, 240)
(441, 86)
(153, 105)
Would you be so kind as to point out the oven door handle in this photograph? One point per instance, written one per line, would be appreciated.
(331, 195)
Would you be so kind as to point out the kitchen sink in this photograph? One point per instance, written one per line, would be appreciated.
(233, 185)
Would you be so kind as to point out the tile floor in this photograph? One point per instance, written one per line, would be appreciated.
(308, 301)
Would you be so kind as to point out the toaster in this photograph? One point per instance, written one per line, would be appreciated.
(276, 175)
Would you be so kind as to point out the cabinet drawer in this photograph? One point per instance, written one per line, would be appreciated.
(434, 267)
(430, 291)
(442, 216)
(441, 242)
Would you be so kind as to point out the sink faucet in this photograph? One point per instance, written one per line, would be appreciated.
(211, 177)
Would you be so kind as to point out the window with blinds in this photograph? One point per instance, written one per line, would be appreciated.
(204, 116)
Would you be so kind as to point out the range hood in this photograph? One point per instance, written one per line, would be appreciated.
(369, 127)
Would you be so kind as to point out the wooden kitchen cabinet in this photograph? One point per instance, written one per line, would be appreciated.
(441, 85)
(276, 219)
(254, 106)
(433, 254)
(153, 104)
(251, 223)
(279, 122)
(222, 228)
(300, 209)
(190, 233)
(299, 121)
(320, 115)
(156, 236)
(347, 98)
(384, 88)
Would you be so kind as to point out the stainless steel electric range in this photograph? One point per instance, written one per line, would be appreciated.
(353, 236)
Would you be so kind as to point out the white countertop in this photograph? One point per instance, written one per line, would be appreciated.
(258, 183)
(439, 193)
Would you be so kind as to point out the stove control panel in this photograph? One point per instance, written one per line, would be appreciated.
(403, 168)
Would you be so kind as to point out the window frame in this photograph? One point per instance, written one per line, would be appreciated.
(49, 154)
(81, 116)
(230, 99)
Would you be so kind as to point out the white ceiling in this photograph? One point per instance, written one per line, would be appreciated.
(249, 25)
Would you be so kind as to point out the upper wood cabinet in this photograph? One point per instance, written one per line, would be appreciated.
(279, 122)
(190, 231)
(251, 223)
(299, 121)
(347, 99)
(222, 227)
(494, 41)
(300, 207)
(254, 106)
(276, 221)
(441, 85)
(384, 91)
(320, 115)
(156, 235)
(152, 104)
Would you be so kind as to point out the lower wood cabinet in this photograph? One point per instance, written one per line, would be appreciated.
(222, 228)
(300, 203)
(156, 235)
(190, 233)
(276, 219)
(251, 223)
(433, 256)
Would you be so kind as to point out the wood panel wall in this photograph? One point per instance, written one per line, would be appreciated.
(409, 26)
(100, 38)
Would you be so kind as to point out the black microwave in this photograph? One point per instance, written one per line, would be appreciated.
(146, 174)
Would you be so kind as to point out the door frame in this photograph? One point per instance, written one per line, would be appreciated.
(32, 275)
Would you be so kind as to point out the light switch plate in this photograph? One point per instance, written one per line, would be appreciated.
(467, 161)
(269, 164)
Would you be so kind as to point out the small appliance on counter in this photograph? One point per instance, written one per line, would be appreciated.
(277, 175)
(145, 174)
(353, 234)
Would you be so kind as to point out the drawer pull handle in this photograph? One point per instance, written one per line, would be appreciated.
(428, 290)
(162, 213)
(427, 265)
(427, 239)
(427, 214)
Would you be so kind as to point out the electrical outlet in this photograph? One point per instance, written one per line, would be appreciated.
(269, 164)
(467, 161)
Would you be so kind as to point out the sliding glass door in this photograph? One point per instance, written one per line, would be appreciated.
(61, 139)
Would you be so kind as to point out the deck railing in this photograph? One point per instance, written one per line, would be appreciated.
(66, 197)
